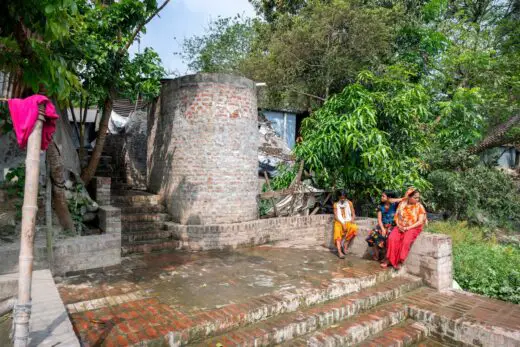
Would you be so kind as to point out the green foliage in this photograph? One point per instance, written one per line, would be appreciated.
(141, 76)
(482, 195)
(368, 137)
(481, 266)
(273, 9)
(284, 176)
(97, 48)
(39, 57)
(15, 187)
(78, 206)
(223, 47)
(321, 49)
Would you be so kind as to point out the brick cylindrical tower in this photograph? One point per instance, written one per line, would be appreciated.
(203, 149)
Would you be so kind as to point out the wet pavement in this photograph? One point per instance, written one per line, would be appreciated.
(191, 282)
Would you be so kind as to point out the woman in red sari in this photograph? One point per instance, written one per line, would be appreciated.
(410, 219)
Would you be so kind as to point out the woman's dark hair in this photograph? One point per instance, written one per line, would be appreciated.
(343, 192)
(390, 193)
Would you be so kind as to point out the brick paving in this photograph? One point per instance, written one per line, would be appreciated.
(269, 295)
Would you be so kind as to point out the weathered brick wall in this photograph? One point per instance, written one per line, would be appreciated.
(247, 234)
(203, 149)
(99, 190)
(70, 255)
(110, 219)
(135, 149)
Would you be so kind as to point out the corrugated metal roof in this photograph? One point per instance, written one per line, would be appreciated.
(91, 115)
(124, 107)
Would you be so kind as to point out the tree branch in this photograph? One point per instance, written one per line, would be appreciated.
(496, 136)
(140, 26)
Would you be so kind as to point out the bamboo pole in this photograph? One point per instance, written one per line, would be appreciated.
(22, 312)
(48, 216)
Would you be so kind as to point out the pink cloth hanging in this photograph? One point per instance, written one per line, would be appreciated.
(24, 113)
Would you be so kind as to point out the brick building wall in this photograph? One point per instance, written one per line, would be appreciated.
(203, 149)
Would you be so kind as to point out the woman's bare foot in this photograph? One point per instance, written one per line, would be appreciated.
(384, 264)
(341, 255)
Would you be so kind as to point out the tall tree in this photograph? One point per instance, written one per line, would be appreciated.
(107, 34)
(322, 48)
(31, 39)
(222, 48)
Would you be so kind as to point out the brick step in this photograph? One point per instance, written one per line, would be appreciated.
(143, 209)
(135, 199)
(408, 333)
(432, 342)
(144, 217)
(149, 246)
(356, 329)
(129, 226)
(145, 236)
(276, 321)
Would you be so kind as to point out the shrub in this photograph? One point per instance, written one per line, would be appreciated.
(482, 195)
(480, 264)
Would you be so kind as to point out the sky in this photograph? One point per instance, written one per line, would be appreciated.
(182, 19)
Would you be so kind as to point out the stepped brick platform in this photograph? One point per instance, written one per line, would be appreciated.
(271, 295)
(142, 222)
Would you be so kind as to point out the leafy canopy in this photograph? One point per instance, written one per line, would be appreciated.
(368, 137)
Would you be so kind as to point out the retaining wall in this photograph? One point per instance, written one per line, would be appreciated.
(247, 234)
(74, 254)
(430, 257)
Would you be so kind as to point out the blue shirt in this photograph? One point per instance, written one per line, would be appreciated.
(387, 216)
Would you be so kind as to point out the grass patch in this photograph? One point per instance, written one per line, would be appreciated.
(480, 264)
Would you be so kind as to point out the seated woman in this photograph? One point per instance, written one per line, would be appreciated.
(409, 218)
(385, 221)
(344, 228)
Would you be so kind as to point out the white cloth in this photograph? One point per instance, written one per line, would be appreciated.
(348, 214)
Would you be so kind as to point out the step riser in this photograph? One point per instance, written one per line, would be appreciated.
(141, 226)
(407, 335)
(149, 247)
(324, 317)
(358, 333)
(147, 236)
(129, 210)
(143, 217)
(135, 199)
(268, 307)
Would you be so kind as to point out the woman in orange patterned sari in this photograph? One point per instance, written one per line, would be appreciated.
(410, 219)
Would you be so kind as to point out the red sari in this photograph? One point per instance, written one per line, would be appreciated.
(399, 243)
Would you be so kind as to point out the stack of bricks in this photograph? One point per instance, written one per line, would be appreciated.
(203, 149)
(110, 219)
(100, 190)
(430, 258)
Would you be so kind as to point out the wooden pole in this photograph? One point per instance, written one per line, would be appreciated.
(48, 216)
(272, 199)
(22, 312)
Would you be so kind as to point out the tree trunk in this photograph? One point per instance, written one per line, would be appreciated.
(58, 189)
(90, 170)
(496, 137)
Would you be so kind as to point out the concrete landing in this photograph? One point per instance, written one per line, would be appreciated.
(50, 324)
